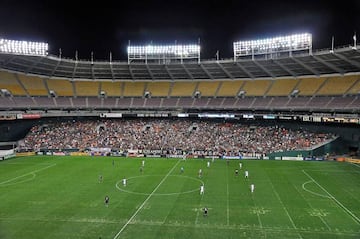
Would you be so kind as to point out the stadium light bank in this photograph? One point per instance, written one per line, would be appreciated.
(23, 47)
(273, 47)
(163, 53)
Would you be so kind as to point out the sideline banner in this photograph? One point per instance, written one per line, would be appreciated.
(350, 160)
(25, 154)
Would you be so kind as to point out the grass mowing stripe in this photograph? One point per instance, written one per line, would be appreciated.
(26, 174)
(198, 211)
(283, 205)
(356, 219)
(142, 205)
(227, 197)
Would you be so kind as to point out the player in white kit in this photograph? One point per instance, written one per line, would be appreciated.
(252, 187)
(246, 174)
(124, 182)
(202, 189)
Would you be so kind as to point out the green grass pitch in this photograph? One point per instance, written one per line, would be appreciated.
(61, 197)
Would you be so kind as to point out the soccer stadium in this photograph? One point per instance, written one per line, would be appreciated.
(265, 144)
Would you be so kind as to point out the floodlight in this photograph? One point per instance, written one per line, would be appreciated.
(163, 52)
(291, 43)
(23, 47)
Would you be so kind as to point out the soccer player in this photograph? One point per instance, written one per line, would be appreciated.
(143, 163)
(124, 182)
(246, 174)
(200, 173)
(252, 187)
(100, 178)
(113, 163)
(184, 157)
(106, 201)
(205, 211)
(141, 169)
(208, 164)
(240, 165)
(202, 189)
(236, 172)
(181, 169)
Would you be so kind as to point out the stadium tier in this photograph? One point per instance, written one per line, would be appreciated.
(322, 81)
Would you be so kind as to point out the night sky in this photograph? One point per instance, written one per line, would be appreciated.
(104, 26)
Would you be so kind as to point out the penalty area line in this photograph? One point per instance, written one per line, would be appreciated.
(355, 218)
(26, 174)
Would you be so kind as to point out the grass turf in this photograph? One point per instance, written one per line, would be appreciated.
(61, 197)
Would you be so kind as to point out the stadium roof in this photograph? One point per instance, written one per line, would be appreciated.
(108, 26)
(342, 61)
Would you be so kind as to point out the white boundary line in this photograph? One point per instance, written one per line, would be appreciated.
(355, 218)
(32, 172)
(142, 205)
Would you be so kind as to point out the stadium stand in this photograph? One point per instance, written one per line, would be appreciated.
(183, 88)
(111, 88)
(282, 87)
(134, 89)
(9, 82)
(86, 88)
(158, 89)
(256, 87)
(321, 81)
(61, 87)
(33, 85)
(309, 86)
(337, 85)
(208, 88)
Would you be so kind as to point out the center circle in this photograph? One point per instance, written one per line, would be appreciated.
(132, 181)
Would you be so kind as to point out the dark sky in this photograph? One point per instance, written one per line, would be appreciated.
(104, 26)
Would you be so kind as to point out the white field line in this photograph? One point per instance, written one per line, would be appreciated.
(320, 217)
(26, 174)
(258, 216)
(183, 225)
(355, 218)
(355, 164)
(142, 205)
(309, 191)
(283, 205)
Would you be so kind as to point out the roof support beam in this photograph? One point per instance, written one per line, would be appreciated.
(315, 72)
(264, 69)
(225, 71)
(206, 71)
(285, 69)
(244, 70)
(329, 65)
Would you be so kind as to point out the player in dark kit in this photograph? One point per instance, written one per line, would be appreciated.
(107, 199)
(205, 211)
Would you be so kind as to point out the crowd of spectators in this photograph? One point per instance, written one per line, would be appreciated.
(171, 135)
